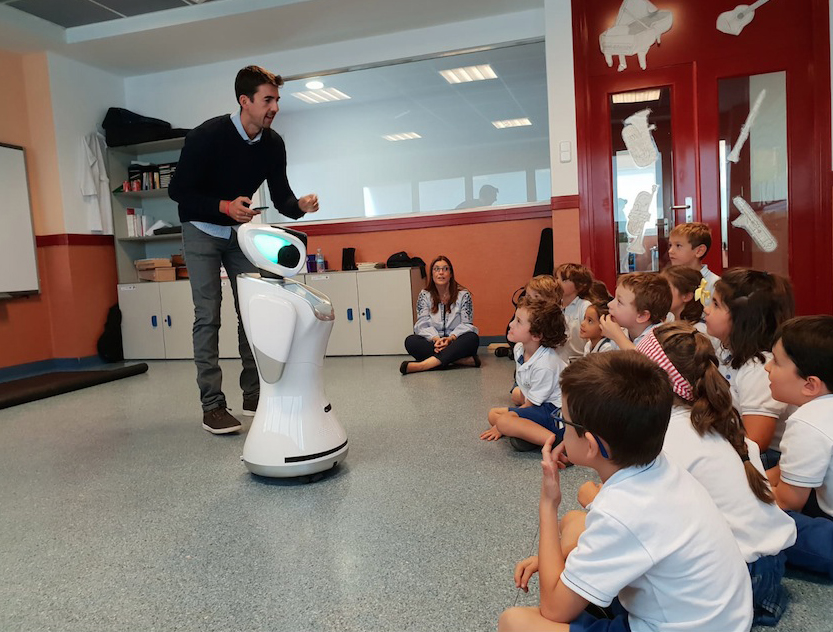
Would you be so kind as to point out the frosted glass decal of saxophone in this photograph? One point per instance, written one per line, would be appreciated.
(638, 26)
(734, 156)
(638, 138)
(749, 221)
(637, 218)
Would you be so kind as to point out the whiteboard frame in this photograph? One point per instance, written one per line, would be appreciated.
(14, 257)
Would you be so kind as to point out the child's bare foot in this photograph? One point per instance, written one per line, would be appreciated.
(492, 434)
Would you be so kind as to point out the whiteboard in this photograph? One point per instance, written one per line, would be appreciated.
(18, 257)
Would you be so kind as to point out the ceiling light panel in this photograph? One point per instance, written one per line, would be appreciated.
(519, 122)
(325, 95)
(637, 96)
(469, 73)
(405, 136)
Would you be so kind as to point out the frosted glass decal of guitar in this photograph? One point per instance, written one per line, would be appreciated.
(638, 26)
(734, 155)
(637, 218)
(732, 22)
(638, 138)
(749, 221)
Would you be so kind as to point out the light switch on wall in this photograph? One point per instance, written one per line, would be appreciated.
(565, 151)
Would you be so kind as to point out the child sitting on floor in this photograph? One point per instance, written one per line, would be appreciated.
(801, 374)
(655, 547)
(642, 301)
(591, 330)
(684, 284)
(575, 281)
(538, 327)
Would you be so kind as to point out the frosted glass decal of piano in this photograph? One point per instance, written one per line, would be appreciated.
(638, 26)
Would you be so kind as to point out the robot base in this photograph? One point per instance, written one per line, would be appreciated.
(302, 468)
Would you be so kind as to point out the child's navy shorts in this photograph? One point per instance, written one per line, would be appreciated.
(547, 415)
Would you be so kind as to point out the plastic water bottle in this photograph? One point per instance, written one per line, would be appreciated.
(319, 261)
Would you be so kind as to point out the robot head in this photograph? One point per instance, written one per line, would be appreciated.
(278, 250)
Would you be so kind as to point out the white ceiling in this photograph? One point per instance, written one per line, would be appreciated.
(222, 30)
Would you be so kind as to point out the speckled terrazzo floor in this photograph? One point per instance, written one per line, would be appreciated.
(118, 512)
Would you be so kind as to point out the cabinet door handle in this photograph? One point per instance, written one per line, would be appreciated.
(153, 320)
(168, 318)
(367, 313)
(350, 313)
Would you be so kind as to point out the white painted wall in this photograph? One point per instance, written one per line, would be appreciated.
(561, 96)
(81, 95)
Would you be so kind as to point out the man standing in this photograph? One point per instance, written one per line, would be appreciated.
(222, 164)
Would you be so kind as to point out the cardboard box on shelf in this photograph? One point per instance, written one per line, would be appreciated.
(148, 264)
(158, 274)
(182, 272)
(178, 260)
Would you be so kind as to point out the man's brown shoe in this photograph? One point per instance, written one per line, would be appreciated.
(219, 421)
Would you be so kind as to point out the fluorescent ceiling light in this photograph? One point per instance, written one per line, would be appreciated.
(469, 73)
(637, 96)
(405, 136)
(520, 122)
(321, 96)
(314, 85)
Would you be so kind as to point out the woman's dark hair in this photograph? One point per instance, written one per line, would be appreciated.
(758, 303)
(686, 280)
(693, 355)
(453, 287)
(545, 320)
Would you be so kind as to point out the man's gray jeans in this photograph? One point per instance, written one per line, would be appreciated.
(203, 255)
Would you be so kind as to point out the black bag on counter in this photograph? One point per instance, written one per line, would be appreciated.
(402, 260)
(123, 127)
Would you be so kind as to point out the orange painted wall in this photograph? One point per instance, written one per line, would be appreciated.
(491, 259)
(78, 283)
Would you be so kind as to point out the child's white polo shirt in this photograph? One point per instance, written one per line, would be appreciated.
(760, 529)
(807, 450)
(605, 344)
(750, 391)
(654, 538)
(573, 347)
(539, 377)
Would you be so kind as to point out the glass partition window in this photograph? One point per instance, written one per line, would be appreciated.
(753, 173)
(403, 139)
(643, 183)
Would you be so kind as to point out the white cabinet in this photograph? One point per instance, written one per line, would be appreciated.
(374, 309)
(158, 319)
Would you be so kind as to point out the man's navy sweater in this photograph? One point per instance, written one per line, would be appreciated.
(217, 164)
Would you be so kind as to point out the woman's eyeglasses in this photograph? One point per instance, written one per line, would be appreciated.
(441, 268)
(602, 450)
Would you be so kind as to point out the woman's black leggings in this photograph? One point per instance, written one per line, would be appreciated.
(464, 347)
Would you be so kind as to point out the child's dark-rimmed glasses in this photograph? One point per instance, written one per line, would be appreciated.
(602, 450)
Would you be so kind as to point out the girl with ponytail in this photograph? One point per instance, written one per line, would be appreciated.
(706, 437)
(746, 308)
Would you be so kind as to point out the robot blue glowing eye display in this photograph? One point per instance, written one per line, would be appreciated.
(277, 250)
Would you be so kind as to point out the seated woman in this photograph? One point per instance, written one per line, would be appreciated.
(443, 333)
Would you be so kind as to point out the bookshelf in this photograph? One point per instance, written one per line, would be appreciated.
(154, 203)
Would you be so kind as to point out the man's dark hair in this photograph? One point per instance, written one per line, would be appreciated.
(622, 397)
(250, 78)
(808, 341)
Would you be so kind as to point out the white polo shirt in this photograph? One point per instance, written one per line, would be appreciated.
(654, 538)
(750, 391)
(573, 347)
(539, 377)
(605, 344)
(760, 529)
(807, 450)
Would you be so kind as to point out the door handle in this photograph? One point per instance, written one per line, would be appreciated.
(367, 313)
(168, 318)
(678, 207)
(153, 320)
(350, 313)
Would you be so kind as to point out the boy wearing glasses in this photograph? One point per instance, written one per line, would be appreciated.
(654, 547)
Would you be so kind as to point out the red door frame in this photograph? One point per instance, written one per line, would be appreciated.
(779, 43)
(686, 171)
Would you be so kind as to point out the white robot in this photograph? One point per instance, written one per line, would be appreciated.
(295, 431)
